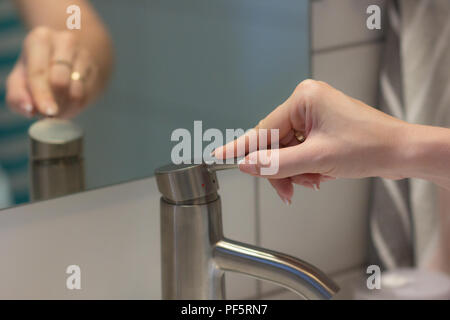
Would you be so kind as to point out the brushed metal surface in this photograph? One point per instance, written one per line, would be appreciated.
(195, 254)
(56, 159)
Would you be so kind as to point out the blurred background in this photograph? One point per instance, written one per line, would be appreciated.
(225, 62)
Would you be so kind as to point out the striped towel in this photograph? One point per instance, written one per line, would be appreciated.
(414, 86)
(13, 128)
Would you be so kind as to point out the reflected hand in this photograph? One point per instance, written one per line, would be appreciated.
(341, 137)
(54, 76)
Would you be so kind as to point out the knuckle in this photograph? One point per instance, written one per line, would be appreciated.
(309, 86)
(41, 33)
(38, 72)
(309, 90)
(68, 39)
(38, 34)
(66, 35)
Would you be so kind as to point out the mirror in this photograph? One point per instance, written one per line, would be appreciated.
(226, 63)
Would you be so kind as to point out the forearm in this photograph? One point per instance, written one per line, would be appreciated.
(425, 153)
(92, 35)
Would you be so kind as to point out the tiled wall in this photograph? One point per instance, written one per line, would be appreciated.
(329, 227)
(113, 233)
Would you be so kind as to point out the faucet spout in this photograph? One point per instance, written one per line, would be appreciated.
(287, 271)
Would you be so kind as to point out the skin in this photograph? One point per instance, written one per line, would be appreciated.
(38, 85)
(344, 138)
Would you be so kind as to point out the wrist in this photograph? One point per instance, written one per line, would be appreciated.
(402, 155)
(422, 151)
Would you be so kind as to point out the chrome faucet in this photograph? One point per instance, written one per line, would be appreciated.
(195, 254)
(56, 159)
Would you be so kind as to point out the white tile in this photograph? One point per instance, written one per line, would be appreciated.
(353, 70)
(339, 23)
(113, 234)
(326, 228)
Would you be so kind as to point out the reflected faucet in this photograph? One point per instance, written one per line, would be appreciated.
(195, 254)
(56, 158)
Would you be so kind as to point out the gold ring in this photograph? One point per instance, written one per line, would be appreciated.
(76, 76)
(300, 137)
(66, 63)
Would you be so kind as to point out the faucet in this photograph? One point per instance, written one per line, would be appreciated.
(56, 158)
(195, 254)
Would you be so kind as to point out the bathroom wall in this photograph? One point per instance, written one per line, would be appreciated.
(113, 233)
(328, 228)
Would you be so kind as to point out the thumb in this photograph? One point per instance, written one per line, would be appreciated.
(283, 163)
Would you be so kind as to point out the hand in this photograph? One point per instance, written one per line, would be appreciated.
(341, 138)
(54, 76)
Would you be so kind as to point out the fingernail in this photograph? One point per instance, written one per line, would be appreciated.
(249, 168)
(316, 187)
(27, 107)
(287, 202)
(51, 109)
(241, 161)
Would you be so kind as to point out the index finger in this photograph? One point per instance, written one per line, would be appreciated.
(280, 118)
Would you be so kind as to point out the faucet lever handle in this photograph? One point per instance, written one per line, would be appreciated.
(186, 183)
(222, 166)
